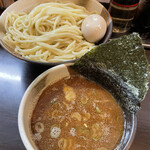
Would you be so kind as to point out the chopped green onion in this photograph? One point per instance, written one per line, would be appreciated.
(98, 110)
(96, 138)
(84, 100)
(82, 131)
(96, 134)
(85, 125)
(118, 119)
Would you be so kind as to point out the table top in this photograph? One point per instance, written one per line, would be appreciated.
(15, 77)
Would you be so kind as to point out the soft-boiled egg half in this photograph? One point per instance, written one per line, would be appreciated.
(93, 28)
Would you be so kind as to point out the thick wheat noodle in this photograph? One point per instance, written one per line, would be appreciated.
(51, 32)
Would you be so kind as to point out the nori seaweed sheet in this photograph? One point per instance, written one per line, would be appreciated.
(121, 67)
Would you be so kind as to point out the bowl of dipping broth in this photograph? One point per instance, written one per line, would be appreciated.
(63, 110)
(53, 32)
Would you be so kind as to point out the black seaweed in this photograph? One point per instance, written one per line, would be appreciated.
(121, 67)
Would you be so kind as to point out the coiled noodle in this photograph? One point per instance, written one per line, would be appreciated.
(51, 32)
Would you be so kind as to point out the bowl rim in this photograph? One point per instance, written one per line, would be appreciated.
(21, 111)
(133, 132)
(13, 53)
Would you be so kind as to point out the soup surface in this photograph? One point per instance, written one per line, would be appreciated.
(76, 114)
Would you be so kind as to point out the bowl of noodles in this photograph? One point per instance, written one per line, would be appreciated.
(48, 31)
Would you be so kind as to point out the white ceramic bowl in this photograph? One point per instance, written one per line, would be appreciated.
(30, 99)
(28, 5)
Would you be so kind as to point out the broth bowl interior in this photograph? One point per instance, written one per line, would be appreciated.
(28, 5)
(30, 99)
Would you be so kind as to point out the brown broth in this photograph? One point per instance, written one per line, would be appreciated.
(84, 115)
